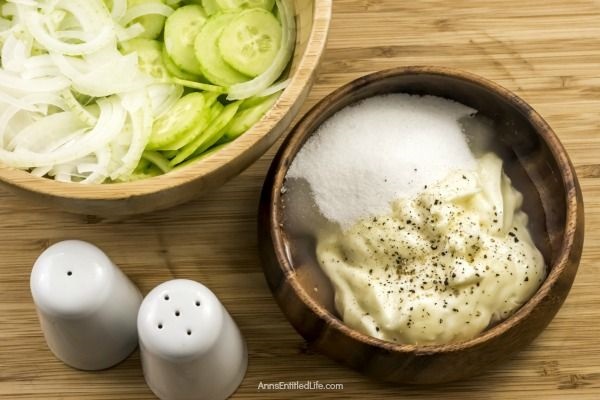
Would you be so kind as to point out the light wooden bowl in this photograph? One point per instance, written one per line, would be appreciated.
(312, 18)
(538, 166)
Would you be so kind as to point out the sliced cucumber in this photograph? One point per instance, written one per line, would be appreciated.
(207, 153)
(210, 6)
(213, 67)
(251, 41)
(245, 119)
(153, 24)
(210, 136)
(174, 70)
(237, 4)
(219, 126)
(172, 125)
(158, 160)
(181, 30)
(150, 59)
(199, 86)
(207, 116)
(170, 153)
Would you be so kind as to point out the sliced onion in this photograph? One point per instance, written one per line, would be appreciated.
(41, 72)
(74, 106)
(146, 9)
(131, 32)
(40, 171)
(38, 62)
(163, 97)
(278, 87)
(13, 81)
(42, 134)
(14, 53)
(16, 102)
(141, 122)
(9, 10)
(35, 25)
(97, 172)
(110, 123)
(119, 9)
(262, 82)
(101, 81)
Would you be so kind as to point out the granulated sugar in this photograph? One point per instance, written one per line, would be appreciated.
(381, 149)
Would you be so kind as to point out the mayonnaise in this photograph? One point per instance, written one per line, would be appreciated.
(442, 266)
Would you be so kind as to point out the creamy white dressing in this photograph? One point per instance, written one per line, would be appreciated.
(442, 266)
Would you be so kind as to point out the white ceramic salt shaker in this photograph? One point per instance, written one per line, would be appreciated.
(86, 305)
(190, 346)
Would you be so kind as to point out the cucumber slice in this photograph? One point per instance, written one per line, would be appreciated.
(172, 125)
(207, 87)
(170, 153)
(181, 30)
(213, 67)
(153, 24)
(149, 53)
(237, 4)
(210, 6)
(174, 70)
(210, 136)
(246, 119)
(251, 41)
(207, 116)
(207, 153)
(158, 160)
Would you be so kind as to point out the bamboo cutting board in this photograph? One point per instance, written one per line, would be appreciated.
(547, 51)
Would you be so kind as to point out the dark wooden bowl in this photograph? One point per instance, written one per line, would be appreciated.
(538, 166)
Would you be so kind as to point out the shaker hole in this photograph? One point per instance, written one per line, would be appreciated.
(177, 313)
(189, 332)
(160, 326)
(166, 297)
(197, 303)
(69, 273)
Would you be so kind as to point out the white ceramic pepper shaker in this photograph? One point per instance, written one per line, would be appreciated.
(191, 348)
(86, 305)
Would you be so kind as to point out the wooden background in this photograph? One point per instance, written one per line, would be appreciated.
(547, 51)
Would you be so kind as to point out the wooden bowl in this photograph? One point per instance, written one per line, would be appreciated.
(312, 18)
(538, 166)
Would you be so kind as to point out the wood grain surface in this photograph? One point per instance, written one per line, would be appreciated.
(547, 51)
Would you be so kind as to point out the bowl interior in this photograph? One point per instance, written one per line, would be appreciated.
(522, 139)
(180, 185)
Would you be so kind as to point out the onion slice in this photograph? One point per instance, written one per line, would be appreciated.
(262, 82)
(146, 9)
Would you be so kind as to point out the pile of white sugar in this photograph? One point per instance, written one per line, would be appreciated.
(381, 149)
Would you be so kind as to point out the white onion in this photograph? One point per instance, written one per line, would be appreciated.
(133, 31)
(262, 82)
(146, 9)
(14, 53)
(278, 87)
(110, 123)
(100, 81)
(163, 97)
(92, 17)
(141, 121)
(118, 9)
(97, 172)
(51, 84)
(42, 134)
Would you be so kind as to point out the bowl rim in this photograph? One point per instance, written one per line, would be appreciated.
(219, 161)
(300, 133)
